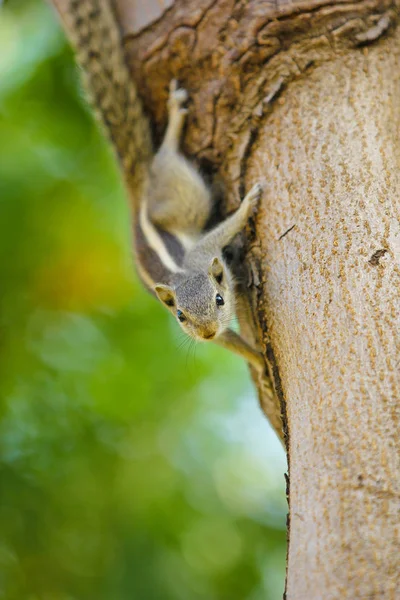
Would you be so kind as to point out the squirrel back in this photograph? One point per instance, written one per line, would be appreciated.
(95, 34)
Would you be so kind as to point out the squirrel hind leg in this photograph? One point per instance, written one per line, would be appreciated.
(179, 199)
(176, 116)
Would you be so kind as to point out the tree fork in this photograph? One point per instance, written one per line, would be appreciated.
(307, 98)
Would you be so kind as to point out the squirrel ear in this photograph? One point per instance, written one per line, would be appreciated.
(216, 270)
(165, 294)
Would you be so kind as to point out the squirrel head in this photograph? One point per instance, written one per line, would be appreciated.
(202, 303)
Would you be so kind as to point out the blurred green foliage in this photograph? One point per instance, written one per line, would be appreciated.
(131, 468)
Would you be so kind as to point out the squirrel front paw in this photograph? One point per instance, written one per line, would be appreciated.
(252, 197)
(177, 97)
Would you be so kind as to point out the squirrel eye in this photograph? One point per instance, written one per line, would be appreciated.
(219, 300)
(180, 316)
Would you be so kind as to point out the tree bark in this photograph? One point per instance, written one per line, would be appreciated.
(306, 98)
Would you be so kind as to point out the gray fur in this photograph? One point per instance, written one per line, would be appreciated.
(195, 296)
(179, 204)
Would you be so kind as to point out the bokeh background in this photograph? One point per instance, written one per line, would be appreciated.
(131, 466)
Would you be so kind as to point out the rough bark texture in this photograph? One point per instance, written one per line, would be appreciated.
(306, 97)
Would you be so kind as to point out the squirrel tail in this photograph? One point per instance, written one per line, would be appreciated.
(94, 31)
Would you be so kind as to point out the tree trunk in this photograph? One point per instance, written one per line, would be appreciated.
(306, 98)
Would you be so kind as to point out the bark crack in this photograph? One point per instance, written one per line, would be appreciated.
(252, 139)
(286, 232)
(375, 258)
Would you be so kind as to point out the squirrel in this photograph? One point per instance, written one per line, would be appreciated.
(177, 261)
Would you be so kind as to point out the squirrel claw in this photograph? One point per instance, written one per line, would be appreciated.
(255, 191)
(177, 95)
(253, 196)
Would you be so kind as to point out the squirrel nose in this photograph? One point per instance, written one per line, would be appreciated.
(209, 335)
